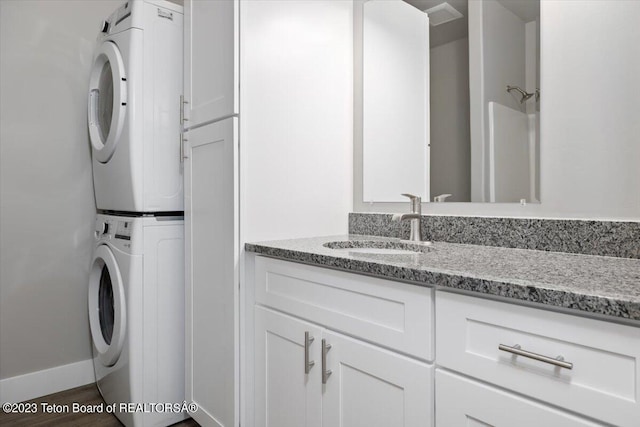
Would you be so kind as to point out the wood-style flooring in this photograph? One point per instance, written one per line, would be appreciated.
(85, 395)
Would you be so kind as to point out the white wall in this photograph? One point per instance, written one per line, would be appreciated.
(296, 152)
(450, 155)
(590, 149)
(47, 209)
(590, 132)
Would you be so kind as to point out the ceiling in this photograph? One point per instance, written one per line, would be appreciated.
(449, 31)
(527, 10)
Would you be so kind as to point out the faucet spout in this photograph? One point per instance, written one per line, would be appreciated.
(402, 217)
(414, 217)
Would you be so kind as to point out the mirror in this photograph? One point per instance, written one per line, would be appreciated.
(450, 100)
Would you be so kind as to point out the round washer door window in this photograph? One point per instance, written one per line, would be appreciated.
(107, 309)
(107, 101)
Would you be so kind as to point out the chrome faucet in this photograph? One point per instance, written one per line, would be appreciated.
(414, 216)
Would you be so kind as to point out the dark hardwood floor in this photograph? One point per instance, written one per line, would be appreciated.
(85, 395)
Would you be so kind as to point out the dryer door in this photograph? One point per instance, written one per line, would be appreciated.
(107, 307)
(107, 101)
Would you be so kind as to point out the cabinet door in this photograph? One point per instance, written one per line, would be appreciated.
(372, 387)
(211, 250)
(463, 402)
(210, 60)
(286, 396)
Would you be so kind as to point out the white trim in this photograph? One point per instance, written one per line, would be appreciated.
(47, 381)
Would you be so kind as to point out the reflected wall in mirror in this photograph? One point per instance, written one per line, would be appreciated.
(451, 100)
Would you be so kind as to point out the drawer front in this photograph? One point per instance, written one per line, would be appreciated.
(463, 402)
(395, 315)
(603, 383)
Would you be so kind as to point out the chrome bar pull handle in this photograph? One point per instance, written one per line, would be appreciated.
(308, 364)
(182, 104)
(518, 351)
(326, 373)
(182, 141)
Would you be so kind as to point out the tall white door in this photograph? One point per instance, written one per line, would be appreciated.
(211, 250)
(373, 387)
(287, 372)
(210, 60)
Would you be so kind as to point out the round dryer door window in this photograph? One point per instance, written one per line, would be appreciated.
(107, 306)
(107, 101)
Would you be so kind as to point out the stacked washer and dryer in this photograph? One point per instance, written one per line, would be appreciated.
(136, 285)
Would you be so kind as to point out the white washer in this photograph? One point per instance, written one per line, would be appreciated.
(136, 316)
(134, 109)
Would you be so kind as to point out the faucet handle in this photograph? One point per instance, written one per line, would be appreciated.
(416, 201)
(442, 197)
(411, 196)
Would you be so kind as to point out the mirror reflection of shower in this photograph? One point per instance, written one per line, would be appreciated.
(443, 99)
(484, 139)
(525, 95)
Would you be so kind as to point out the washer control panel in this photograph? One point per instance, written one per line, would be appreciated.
(119, 232)
(104, 229)
(113, 229)
(123, 230)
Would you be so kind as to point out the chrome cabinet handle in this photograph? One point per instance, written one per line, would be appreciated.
(182, 141)
(182, 104)
(326, 373)
(517, 350)
(308, 364)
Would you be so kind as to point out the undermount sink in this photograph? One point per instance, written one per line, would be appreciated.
(380, 247)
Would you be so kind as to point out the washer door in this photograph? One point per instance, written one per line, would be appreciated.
(107, 309)
(107, 101)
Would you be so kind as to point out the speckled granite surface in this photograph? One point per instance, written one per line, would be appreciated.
(595, 284)
(606, 238)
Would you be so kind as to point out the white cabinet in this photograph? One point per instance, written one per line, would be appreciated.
(391, 314)
(464, 402)
(500, 343)
(211, 31)
(285, 395)
(368, 385)
(490, 367)
(296, 77)
(365, 385)
(211, 249)
(373, 387)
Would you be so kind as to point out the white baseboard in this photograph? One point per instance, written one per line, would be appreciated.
(41, 383)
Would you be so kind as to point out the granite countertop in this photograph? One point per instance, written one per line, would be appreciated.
(595, 284)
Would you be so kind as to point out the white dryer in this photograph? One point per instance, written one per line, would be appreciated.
(134, 108)
(136, 317)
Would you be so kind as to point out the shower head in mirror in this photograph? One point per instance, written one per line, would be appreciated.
(525, 95)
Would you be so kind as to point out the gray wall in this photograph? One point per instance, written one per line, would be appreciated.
(47, 209)
(450, 151)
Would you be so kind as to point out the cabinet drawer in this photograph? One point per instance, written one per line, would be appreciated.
(392, 314)
(463, 402)
(603, 383)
